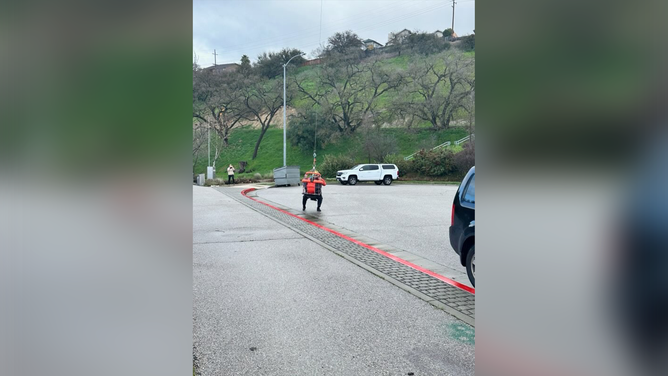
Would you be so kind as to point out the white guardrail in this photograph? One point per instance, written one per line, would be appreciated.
(445, 145)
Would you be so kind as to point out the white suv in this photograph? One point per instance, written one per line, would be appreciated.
(378, 173)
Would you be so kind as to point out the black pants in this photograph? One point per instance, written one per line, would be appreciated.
(305, 198)
(230, 177)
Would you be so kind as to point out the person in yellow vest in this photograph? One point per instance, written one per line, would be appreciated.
(312, 188)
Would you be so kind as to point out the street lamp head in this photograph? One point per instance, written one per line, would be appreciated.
(288, 62)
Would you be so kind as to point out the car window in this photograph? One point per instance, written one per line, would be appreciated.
(469, 192)
(388, 167)
(372, 167)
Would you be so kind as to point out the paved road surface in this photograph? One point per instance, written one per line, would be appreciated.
(414, 218)
(268, 301)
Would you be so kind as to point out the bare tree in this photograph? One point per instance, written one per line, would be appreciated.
(199, 141)
(348, 92)
(395, 42)
(217, 101)
(440, 86)
(377, 146)
(217, 147)
(469, 107)
(263, 99)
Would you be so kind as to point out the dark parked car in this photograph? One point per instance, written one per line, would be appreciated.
(462, 224)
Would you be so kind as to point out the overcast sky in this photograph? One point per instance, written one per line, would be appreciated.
(237, 27)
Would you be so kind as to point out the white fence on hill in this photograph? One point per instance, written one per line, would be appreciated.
(445, 145)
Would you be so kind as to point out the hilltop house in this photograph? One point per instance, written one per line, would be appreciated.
(397, 38)
(222, 68)
(312, 62)
(371, 44)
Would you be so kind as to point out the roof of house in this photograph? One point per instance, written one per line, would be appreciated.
(371, 41)
(223, 66)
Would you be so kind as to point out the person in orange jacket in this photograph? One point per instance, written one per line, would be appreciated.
(312, 188)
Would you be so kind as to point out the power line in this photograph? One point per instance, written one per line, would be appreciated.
(392, 6)
(371, 26)
(367, 24)
(330, 27)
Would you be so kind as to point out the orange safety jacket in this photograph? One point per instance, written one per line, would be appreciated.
(314, 187)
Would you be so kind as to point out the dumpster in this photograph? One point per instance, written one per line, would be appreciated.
(288, 175)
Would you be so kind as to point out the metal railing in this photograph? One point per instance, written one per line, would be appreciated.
(463, 140)
(445, 145)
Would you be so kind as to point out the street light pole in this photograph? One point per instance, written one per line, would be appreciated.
(284, 132)
(208, 148)
(284, 128)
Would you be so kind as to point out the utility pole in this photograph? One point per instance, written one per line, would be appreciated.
(453, 15)
(214, 51)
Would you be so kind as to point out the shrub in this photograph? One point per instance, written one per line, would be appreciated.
(404, 166)
(439, 162)
(216, 181)
(425, 43)
(333, 163)
(465, 159)
(257, 176)
(240, 180)
(467, 43)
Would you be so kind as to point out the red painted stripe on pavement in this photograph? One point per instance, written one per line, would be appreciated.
(388, 255)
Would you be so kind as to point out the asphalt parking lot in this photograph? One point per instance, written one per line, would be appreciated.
(414, 218)
(270, 301)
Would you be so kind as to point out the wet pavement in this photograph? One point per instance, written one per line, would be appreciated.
(270, 301)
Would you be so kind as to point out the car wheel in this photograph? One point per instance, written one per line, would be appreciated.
(470, 265)
(387, 180)
(343, 182)
(378, 182)
(352, 180)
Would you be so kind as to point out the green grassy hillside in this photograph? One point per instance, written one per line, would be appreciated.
(308, 76)
(270, 154)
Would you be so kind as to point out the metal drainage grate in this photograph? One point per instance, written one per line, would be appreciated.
(462, 302)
